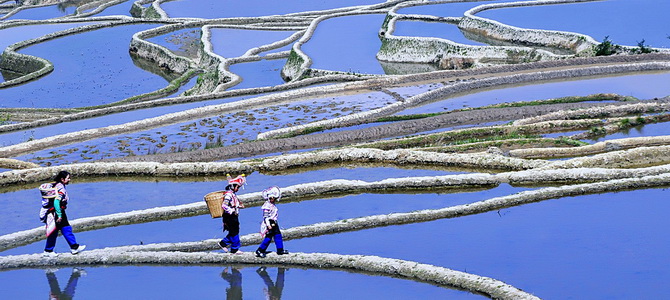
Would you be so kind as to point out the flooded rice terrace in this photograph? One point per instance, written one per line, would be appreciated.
(424, 149)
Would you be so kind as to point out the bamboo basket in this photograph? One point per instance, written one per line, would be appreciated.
(214, 201)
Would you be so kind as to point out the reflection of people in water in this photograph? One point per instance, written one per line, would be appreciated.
(273, 290)
(234, 278)
(68, 293)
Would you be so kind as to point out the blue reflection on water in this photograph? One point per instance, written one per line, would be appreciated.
(84, 73)
(346, 44)
(207, 282)
(605, 246)
(625, 22)
(261, 73)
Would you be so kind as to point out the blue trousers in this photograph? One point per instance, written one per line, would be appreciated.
(269, 237)
(233, 241)
(67, 234)
(231, 223)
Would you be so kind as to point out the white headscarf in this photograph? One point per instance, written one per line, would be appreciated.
(271, 192)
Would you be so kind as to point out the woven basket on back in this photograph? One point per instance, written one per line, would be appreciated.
(214, 201)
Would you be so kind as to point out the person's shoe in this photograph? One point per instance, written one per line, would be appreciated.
(79, 271)
(79, 249)
(49, 254)
(223, 246)
(51, 270)
(281, 252)
(260, 253)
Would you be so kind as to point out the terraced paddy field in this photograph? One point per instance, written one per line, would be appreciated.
(425, 149)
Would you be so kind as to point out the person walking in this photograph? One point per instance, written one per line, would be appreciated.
(231, 210)
(56, 208)
(55, 291)
(274, 289)
(234, 278)
(269, 225)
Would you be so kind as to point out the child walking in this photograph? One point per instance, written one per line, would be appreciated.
(270, 226)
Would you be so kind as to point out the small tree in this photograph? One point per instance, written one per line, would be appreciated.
(642, 48)
(606, 47)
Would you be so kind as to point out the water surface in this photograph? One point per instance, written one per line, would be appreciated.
(223, 281)
(346, 44)
(90, 68)
(625, 22)
(608, 246)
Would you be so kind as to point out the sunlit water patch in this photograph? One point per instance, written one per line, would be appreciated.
(212, 9)
(90, 68)
(433, 29)
(231, 43)
(643, 86)
(200, 282)
(346, 44)
(261, 73)
(637, 20)
(609, 246)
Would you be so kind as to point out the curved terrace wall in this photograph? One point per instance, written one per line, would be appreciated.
(581, 44)
(601, 180)
(445, 53)
(33, 67)
(162, 56)
(614, 158)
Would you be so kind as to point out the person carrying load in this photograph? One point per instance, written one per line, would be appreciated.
(54, 203)
(231, 210)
